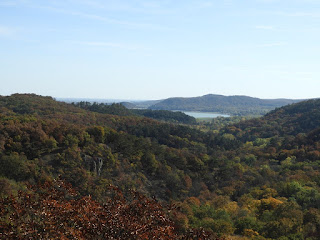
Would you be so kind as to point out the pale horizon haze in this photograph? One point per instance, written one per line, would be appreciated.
(140, 49)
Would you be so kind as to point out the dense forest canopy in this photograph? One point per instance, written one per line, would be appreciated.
(245, 179)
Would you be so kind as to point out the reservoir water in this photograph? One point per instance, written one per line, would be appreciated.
(205, 114)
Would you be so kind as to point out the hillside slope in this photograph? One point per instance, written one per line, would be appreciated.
(299, 118)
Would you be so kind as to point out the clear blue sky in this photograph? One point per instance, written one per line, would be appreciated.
(140, 49)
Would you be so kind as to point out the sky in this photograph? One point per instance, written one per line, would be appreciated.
(140, 49)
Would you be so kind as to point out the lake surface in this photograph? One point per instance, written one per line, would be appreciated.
(205, 114)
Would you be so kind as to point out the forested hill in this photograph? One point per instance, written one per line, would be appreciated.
(121, 110)
(299, 118)
(34, 104)
(256, 179)
(234, 105)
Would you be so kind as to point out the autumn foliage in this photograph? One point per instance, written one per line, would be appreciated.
(257, 178)
(54, 210)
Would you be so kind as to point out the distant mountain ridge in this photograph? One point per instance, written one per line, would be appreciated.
(234, 105)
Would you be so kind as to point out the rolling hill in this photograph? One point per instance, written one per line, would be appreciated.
(233, 105)
(290, 120)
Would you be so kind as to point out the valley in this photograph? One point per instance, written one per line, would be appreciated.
(257, 178)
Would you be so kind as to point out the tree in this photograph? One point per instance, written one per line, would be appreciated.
(149, 162)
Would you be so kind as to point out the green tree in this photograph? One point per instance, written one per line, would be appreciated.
(13, 166)
(149, 162)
